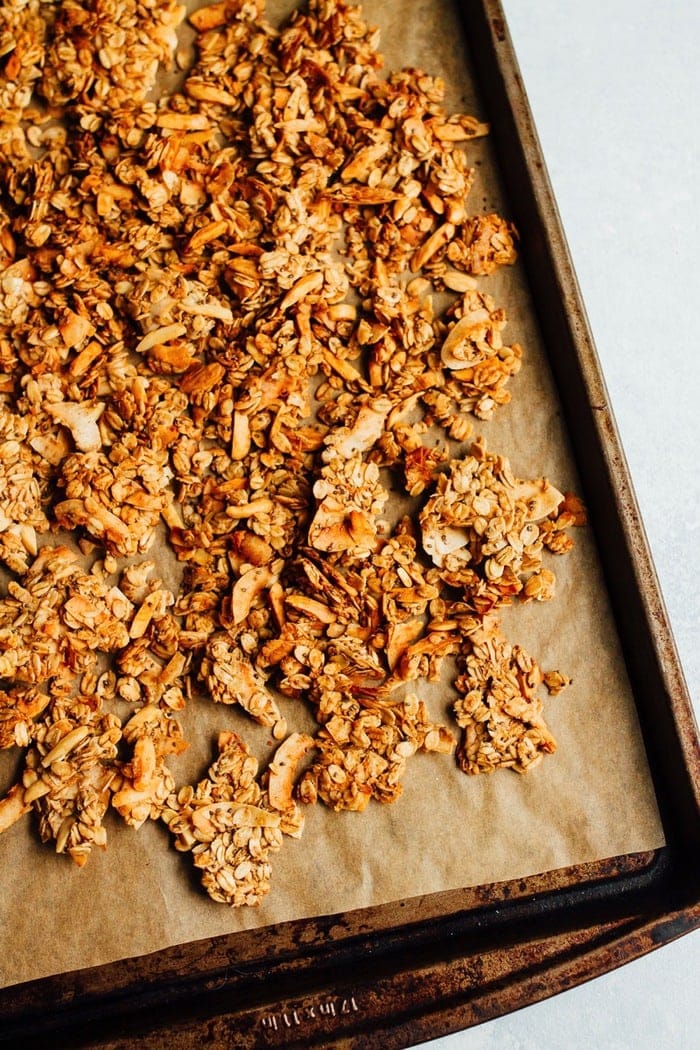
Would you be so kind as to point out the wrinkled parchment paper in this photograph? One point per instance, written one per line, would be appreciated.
(591, 800)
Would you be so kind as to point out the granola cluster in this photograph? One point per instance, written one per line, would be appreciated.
(232, 823)
(219, 336)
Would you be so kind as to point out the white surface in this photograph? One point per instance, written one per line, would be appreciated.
(614, 87)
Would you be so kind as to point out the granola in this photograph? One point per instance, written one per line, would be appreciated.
(220, 336)
(69, 775)
(498, 707)
(231, 825)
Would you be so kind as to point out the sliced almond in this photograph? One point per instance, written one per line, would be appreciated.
(13, 806)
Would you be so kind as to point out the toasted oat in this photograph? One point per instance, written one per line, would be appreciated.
(54, 622)
(349, 498)
(498, 709)
(145, 782)
(69, 775)
(483, 529)
(105, 54)
(483, 243)
(555, 681)
(23, 30)
(21, 510)
(118, 500)
(18, 710)
(364, 747)
(230, 826)
(231, 679)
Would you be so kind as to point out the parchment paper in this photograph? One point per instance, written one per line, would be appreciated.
(592, 799)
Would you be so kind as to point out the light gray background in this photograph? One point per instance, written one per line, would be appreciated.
(614, 87)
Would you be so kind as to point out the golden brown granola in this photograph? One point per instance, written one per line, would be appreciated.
(219, 335)
(483, 528)
(145, 782)
(498, 708)
(231, 825)
(69, 775)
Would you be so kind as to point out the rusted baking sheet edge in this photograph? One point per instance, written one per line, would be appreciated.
(425, 1001)
(661, 694)
(351, 986)
(368, 970)
(395, 976)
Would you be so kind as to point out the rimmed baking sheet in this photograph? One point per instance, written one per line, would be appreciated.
(455, 855)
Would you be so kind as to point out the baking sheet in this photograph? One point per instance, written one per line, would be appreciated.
(592, 799)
